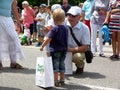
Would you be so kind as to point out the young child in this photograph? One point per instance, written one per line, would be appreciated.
(26, 35)
(40, 18)
(57, 37)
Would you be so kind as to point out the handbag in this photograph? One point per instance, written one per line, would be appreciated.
(44, 72)
(88, 53)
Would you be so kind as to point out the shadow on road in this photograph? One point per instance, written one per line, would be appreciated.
(24, 71)
(91, 75)
(8, 88)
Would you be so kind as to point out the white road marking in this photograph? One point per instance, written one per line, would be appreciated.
(98, 87)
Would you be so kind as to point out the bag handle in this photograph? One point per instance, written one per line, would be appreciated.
(75, 39)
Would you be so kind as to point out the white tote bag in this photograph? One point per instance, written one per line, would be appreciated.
(44, 72)
(68, 64)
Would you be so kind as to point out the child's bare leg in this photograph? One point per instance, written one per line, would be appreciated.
(56, 78)
(62, 76)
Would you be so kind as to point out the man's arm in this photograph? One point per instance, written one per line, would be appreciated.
(80, 49)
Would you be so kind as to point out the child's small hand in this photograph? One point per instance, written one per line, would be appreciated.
(41, 48)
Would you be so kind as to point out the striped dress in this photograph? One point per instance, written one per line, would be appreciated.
(114, 23)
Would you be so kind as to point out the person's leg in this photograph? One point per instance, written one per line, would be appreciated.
(38, 33)
(78, 59)
(31, 32)
(118, 45)
(55, 61)
(14, 48)
(113, 39)
(1, 67)
(56, 78)
(34, 32)
(94, 28)
(62, 68)
(101, 54)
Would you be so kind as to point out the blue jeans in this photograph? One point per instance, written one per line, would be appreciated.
(58, 59)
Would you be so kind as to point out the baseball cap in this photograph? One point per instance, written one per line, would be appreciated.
(55, 6)
(43, 5)
(74, 10)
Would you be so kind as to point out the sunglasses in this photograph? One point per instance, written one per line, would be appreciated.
(70, 15)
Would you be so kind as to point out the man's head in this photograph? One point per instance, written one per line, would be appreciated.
(58, 16)
(42, 8)
(74, 15)
(65, 2)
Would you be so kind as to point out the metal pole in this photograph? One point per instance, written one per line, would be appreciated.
(48, 2)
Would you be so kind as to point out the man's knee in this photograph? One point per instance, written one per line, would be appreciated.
(78, 57)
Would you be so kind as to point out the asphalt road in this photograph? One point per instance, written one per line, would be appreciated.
(101, 74)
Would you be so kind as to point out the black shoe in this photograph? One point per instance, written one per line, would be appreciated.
(79, 71)
(101, 55)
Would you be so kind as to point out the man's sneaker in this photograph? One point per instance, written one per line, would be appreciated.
(38, 44)
(101, 55)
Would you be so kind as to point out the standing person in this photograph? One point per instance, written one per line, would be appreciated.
(81, 32)
(36, 10)
(40, 18)
(65, 6)
(80, 4)
(50, 23)
(113, 19)
(98, 12)
(28, 16)
(57, 37)
(10, 48)
(86, 12)
(49, 14)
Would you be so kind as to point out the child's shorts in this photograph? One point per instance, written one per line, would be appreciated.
(40, 30)
(58, 61)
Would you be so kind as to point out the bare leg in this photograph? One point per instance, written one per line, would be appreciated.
(118, 39)
(114, 43)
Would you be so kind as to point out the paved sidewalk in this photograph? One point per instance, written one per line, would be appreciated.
(101, 74)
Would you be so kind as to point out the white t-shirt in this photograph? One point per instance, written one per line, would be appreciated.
(41, 15)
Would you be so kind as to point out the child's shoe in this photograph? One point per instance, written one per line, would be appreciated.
(61, 82)
(56, 83)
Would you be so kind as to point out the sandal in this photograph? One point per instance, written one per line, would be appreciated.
(16, 66)
(1, 67)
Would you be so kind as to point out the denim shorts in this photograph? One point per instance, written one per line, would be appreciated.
(58, 59)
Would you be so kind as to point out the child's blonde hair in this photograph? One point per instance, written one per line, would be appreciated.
(58, 16)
